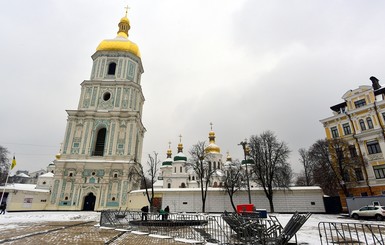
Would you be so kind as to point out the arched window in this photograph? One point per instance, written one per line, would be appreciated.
(115, 175)
(70, 174)
(100, 142)
(362, 124)
(169, 185)
(180, 169)
(183, 185)
(215, 165)
(113, 198)
(215, 184)
(369, 122)
(193, 177)
(111, 68)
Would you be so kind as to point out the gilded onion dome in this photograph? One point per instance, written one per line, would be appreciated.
(120, 42)
(212, 147)
(168, 161)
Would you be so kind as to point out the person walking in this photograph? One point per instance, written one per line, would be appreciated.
(166, 211)
(3, 206)
(144, 212)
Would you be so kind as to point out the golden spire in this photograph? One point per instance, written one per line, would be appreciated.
(212, 147)
(169, 152)
(180, 145)
(228, 157)
(124, 25)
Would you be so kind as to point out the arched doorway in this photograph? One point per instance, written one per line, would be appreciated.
(89, 202)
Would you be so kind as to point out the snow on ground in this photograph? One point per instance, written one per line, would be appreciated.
(308, 234)
(19, 219)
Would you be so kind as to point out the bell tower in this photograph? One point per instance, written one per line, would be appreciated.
(104, 136)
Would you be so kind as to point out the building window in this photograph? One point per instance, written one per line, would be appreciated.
(373, 147)
(346, 127)
(169, 185)
(334, 132)
(193, 177)
(100, 142)
(369, 122)
(113, 198)
(362, 124)
(111, 68)
(359, 175)
(180, 169)
(70, 174)
(383, 116)
(379, 171)
(352, 151)
(174, 169)
(115, 175)
(364, 194)
(360, 103)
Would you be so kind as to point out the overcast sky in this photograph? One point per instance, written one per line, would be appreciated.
(246, 66)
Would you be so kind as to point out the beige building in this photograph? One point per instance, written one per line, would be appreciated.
(104, 135)
(360, 121)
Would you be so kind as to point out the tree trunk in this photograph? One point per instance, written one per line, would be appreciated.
(270, 197)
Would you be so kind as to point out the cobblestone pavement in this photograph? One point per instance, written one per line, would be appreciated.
(74, 232)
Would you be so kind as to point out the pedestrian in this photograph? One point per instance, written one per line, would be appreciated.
(167, 211)
(144, 212)
(3, 206)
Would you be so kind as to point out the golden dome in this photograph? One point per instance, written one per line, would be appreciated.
(212, 147)
(58, 156)
(120, 42)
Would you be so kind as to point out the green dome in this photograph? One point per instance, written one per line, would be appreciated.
(180, 157)
(248, 161)
(167, 162)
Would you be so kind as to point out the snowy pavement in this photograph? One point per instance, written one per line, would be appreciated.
(308, 234)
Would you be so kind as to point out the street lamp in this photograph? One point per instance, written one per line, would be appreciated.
(245, 153)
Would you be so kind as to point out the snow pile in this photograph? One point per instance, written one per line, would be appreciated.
(37, 217)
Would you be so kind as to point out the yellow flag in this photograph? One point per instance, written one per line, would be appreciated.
(13, 163)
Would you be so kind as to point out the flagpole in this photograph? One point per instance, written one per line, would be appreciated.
(11, 166)
(6, 181)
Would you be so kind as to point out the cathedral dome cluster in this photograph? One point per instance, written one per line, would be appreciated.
(120, 42)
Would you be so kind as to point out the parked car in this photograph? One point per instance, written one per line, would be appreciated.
(377, 212)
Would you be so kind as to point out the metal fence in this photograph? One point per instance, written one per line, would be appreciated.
(228, 228)
(351, 233)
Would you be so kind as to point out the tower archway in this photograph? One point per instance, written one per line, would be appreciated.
(89, 202)
(100, 142)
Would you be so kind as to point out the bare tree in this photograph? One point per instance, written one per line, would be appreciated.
(270, 166)
(148, 176)
(199, 163)
(308, 166)
(4, 164)
(323, 173)
(233, 179)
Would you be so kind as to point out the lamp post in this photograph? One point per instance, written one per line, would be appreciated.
(245, 153)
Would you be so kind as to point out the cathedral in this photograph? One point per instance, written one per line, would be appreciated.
(104, 136)
(175, 174)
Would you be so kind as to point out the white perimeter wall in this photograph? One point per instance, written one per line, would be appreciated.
(301, 199)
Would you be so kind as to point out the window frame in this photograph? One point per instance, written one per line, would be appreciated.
(334, 132)
(347, 129)
(369, 121)
(373, 147)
